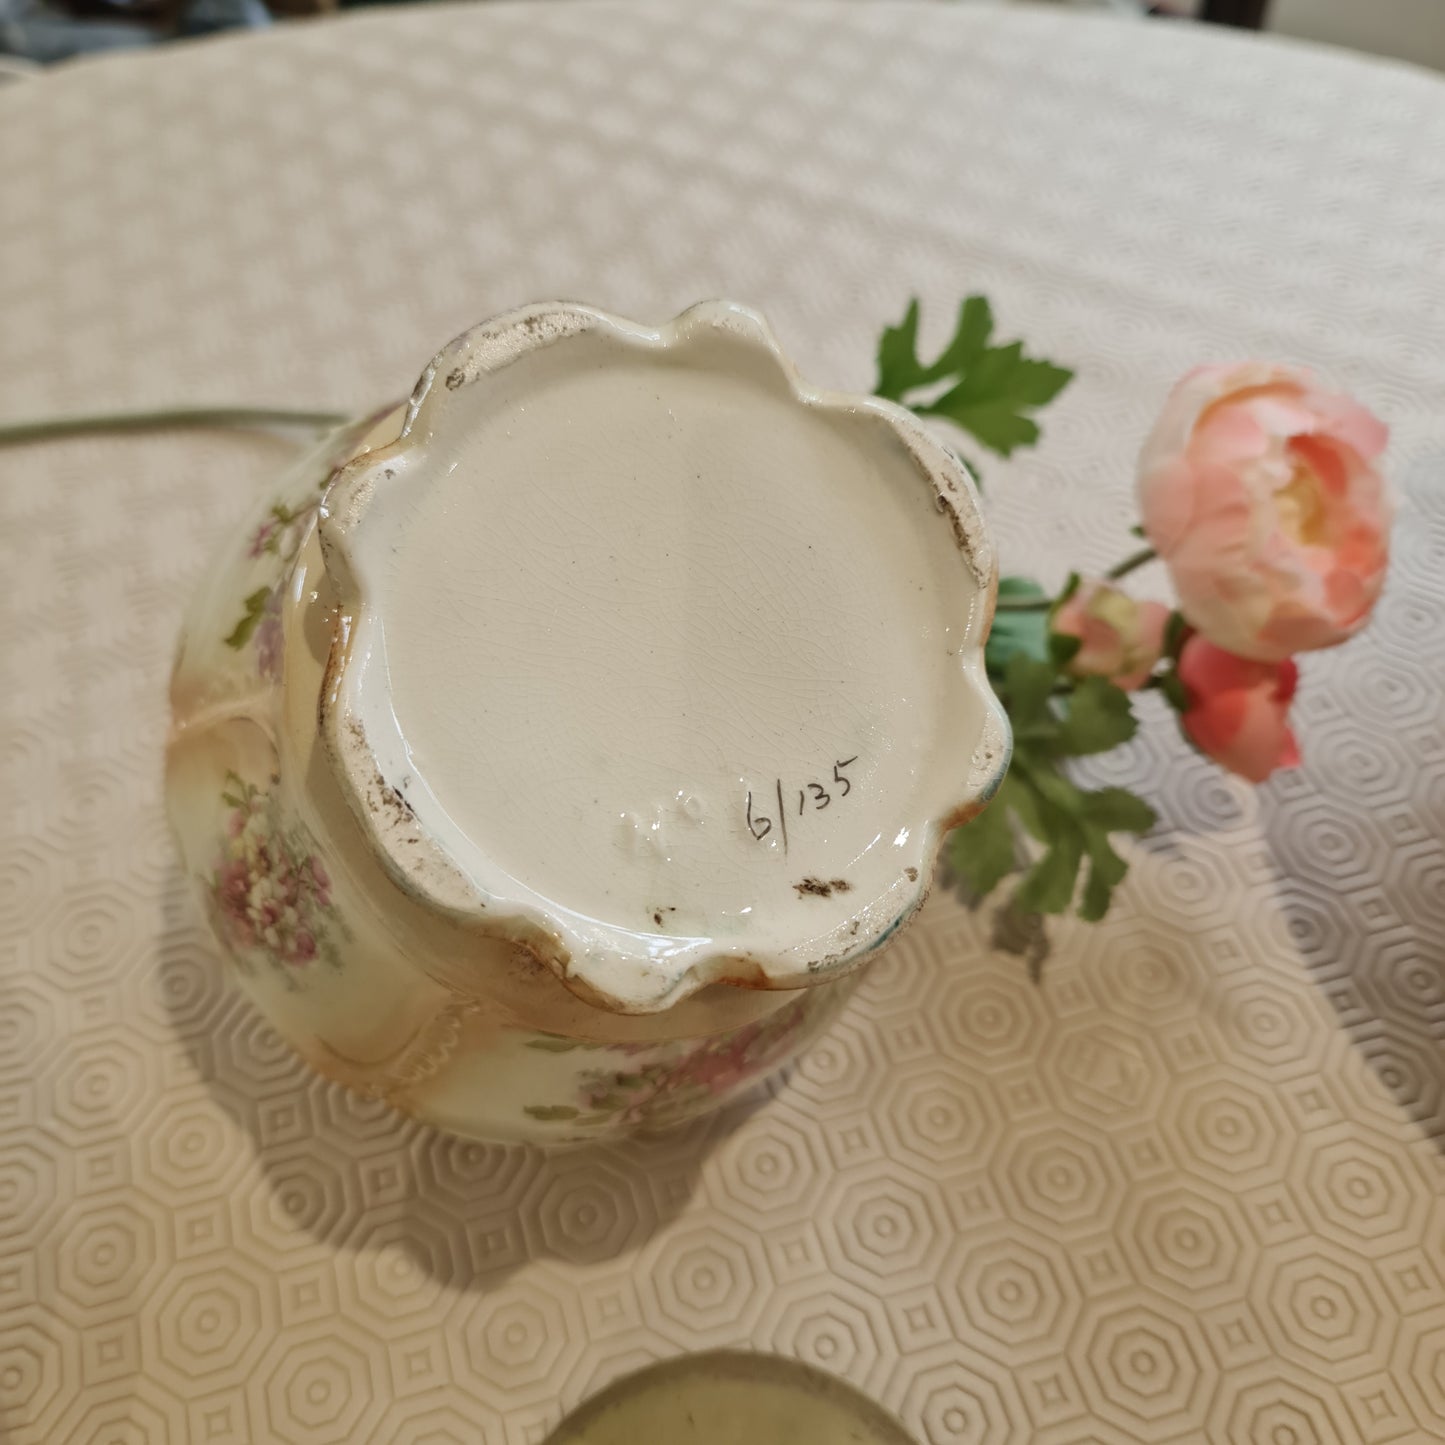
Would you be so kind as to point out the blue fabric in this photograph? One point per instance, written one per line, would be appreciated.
(40, 32)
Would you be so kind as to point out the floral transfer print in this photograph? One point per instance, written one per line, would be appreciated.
(670, 1090)
(271, 895)
(279, 536)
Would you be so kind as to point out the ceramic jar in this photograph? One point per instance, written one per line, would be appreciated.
(551, 753)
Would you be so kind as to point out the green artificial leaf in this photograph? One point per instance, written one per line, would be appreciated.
(1060, 797)
(970, 338)
(1098, 718)
(1015, 631)
(1106, 872)
(1054, 808)
(1049, 884)
(1022, 589)
(1020, 796)
(1063, 648)
(1097, 896)
(993, 385)
(1106, 862)
(999, 386)
(996, 423)
(1117, 810)
(255, 606)
(982, 850)
(1175, 630)
(898, 368)
(1029, 685)
(1175, 693)
(1073, 824)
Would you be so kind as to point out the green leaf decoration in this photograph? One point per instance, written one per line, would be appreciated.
(993, 385)
(255, 606)
(550, 1112)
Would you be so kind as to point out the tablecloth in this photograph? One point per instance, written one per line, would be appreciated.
(1187, 1187)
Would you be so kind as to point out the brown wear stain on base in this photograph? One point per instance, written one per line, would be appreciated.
(817, 888)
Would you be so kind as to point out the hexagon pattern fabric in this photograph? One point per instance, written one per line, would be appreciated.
(1188, 1189)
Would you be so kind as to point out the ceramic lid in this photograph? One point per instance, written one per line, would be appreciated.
(730, 1397)
(656, 660)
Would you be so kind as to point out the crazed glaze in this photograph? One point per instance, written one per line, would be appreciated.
(655, 659)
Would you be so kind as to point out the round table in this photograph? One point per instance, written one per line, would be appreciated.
(1186, 1188)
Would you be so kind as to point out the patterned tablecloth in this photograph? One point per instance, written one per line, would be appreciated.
(1187, 1189)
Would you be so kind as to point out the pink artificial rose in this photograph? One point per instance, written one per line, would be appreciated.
(1258, 489)
(1238, 711)
(1122, 639)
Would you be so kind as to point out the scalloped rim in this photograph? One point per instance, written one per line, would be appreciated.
(623, 980)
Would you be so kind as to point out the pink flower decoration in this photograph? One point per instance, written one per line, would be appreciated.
(268, 640)
(1122, 639)
(270, 893)
(1259, 490)
(1238, 711)
(264, 538)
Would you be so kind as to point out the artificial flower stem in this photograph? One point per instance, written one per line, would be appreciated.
(215, 416)
(1131, 563)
